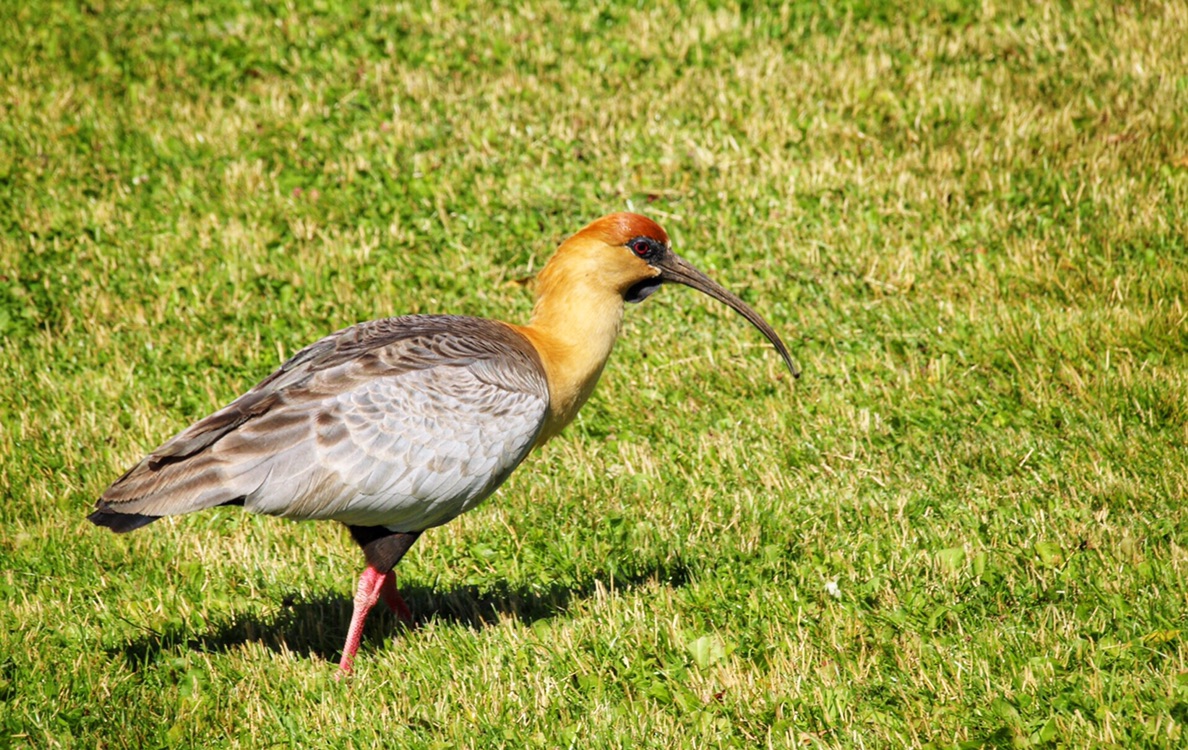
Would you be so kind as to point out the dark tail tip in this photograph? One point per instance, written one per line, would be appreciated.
(120, 523)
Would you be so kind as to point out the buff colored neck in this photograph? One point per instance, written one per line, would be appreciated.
(574, 326)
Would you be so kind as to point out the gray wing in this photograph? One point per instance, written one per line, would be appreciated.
(403, 422)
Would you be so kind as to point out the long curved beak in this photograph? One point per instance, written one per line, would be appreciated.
(674, 268)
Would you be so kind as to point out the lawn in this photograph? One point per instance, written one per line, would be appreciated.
(964, 526)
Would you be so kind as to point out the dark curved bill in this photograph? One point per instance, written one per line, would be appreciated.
(674, 268)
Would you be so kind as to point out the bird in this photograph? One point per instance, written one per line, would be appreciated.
(395, 426)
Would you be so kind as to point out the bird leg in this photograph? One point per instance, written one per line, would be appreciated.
(370, 584)
(383, 549)
(394, 600)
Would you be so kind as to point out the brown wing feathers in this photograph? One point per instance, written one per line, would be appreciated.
(210, 463)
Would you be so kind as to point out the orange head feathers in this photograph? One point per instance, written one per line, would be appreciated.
(619, 229)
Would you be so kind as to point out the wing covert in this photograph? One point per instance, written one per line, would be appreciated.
(412, 433)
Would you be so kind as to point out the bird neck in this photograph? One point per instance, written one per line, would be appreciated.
(574, 326)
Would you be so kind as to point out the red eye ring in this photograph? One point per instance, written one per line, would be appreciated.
(640, 247)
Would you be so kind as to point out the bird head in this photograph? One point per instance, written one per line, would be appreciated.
(633, 255)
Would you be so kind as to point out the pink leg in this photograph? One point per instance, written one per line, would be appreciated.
(371, 583)
(394, 600)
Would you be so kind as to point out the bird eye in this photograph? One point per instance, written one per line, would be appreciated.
(641, 247)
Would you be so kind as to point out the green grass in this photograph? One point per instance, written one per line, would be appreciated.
(969, 220)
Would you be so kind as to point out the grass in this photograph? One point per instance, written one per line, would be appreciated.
(964, 527)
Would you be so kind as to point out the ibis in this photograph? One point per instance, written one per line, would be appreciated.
(398, 425)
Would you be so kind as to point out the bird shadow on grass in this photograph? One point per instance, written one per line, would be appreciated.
(316, 626)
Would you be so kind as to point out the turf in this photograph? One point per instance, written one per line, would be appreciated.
(963, 527)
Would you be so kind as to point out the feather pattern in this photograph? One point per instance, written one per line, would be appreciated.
(402, 422)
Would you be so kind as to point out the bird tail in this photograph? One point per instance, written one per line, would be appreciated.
(162, 486)
(120, 523)
(203, 466)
